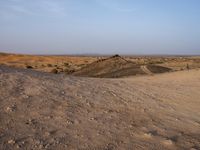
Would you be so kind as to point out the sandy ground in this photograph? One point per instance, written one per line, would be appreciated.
(69, 64)
(47, 111)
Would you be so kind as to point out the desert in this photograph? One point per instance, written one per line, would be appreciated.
(45, 110)
(99, 75)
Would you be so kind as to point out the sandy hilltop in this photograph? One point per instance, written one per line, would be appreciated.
(41, 110)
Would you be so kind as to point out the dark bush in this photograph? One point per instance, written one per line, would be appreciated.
(49, 65)
(69, 71)
(29, 67)
(54, 71)
(66, 64)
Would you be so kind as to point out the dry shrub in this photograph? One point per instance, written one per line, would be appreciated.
(49, 65)
(69, 71)
(54, 71)
(66, 64)
(29, 67)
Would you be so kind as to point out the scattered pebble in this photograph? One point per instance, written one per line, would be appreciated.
(11, 108)
(69, 122)
(46, 146)
(148, 135)
(92, 118)
(40, 146)
(11, 142)
(26, 96)
(18, 146)
(167, 142)
(47, 134)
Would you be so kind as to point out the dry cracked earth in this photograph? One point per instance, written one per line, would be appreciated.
(47, 111)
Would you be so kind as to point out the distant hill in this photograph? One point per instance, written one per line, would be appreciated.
(115, 67)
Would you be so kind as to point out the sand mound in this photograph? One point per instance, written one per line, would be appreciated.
(112, 67)
(116, 67)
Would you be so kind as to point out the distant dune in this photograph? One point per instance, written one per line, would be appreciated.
(46, 111)
(101, 66)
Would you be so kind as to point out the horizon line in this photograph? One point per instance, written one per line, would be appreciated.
(97, 54)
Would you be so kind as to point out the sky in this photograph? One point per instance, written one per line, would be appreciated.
(100, 26)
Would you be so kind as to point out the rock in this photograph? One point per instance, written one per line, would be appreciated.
(41, 146)
(25, 96)
(11, 108)
(11, 142)
(18, 146)
(168, 142)
(47, 134)
(46, 146)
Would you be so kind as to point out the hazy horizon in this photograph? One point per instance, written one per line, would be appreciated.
(100, 27)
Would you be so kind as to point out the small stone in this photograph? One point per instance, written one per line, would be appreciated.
(168, 142)
(148, 135)
(41, 146)
(66, 145)
(11, 108)
(37, 142)
(47, 134)
(25, 96)
(69, 122)
(18, 146)
(11, 142)
(49, 117)
(92, 118)
(46, 146)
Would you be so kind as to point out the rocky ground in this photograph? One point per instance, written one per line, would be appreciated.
(47, 111)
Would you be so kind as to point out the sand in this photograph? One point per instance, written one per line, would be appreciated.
(47, 111)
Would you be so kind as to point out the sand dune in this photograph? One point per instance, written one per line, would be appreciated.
(101, 66)
(47, 111)
(117, 67)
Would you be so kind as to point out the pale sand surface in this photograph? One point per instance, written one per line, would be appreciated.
(47, 111)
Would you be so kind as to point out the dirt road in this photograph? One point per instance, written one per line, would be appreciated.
(46, 111)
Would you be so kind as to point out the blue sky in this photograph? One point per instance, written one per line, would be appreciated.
(100, 26)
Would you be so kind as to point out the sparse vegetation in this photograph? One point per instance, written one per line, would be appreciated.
(66, 64)
(188, 67)
(29, 67)
(55, 71)
(69, 71)
(49, 65)
(70, 65)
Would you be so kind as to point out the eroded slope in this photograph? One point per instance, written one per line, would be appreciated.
(117, 67)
